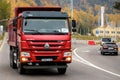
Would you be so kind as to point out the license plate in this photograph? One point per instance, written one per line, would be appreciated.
(47, 60)
(110, 48)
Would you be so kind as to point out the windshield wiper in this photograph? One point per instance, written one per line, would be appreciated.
(56, 31)
(31, 30)
(59, 32)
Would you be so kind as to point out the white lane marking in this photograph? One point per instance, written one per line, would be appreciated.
(82, 60)
(2, 43)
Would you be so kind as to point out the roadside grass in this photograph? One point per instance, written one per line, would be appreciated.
(2, 36)
(85, 37)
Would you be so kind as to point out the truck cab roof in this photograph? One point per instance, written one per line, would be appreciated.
(44, 14)
(19, 10)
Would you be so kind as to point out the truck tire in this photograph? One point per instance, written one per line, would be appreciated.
(12, 64)
(20, 68)
(62, 70)
(102, 53)
(116, 53)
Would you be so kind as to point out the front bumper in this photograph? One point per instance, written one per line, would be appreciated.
(109, 51)
(43, 65)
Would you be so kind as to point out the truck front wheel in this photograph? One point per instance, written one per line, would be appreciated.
(116, 53)
(61, 70)
(20, 68)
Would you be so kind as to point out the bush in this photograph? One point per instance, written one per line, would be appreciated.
(85, 37)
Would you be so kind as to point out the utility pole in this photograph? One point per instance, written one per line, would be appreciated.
(102, 20)
(116, 31)
(99, 18)
(71, 8)
(58, 2)
(102, 16)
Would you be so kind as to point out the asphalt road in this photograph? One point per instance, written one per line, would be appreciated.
(87, 64)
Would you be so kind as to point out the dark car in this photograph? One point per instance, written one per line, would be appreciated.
(109, 47)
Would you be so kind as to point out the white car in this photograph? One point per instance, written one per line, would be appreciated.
(104, 40)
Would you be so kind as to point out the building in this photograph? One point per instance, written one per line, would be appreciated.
(107, 31)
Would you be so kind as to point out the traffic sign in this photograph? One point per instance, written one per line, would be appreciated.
(97, 33)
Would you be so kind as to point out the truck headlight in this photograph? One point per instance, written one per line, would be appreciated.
(66, 54)
(25, 54)
(68, 59)
(24, 59)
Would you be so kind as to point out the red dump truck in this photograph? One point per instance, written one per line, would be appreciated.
(40, 37)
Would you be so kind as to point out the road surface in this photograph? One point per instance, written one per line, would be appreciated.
(87, 64)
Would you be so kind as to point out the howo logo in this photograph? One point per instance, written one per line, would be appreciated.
(46, 46)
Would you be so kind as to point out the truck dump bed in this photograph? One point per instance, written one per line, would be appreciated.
(21, 9)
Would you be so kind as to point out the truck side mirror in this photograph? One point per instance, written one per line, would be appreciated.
(73, 23)
(15, 22)
(74, 30)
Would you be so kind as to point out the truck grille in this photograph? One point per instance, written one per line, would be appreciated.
(54, 46)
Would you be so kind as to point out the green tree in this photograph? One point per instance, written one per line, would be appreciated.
(85, 21)
(117, 5)
(4, 11)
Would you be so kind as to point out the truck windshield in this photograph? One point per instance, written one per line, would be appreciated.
(54, 26)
